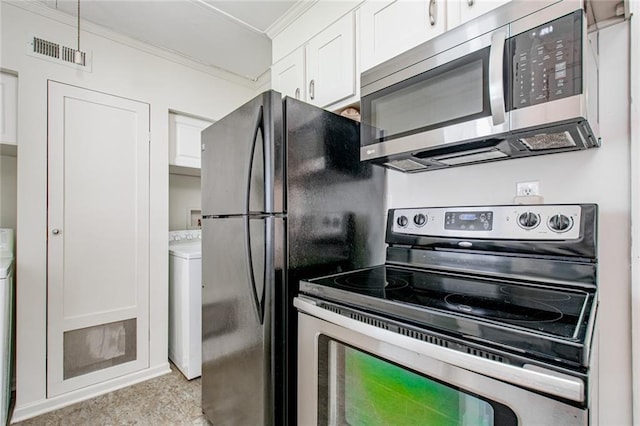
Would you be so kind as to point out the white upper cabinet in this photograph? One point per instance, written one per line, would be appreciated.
(390, 27)
(184, 140)
(461, 11)
(8, 108)
(331, 64)
(288, 75)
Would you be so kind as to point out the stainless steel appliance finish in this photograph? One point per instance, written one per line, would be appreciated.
(320, 328)
(285, 197)
(509, 84)
(482, 303)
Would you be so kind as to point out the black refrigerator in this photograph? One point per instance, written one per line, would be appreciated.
(284, 197)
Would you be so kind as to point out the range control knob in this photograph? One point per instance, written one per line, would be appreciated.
(528, 220)
(420, 219)
(402, 221)
(560, 223)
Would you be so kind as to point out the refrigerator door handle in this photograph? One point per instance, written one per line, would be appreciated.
(258, 304)
(259, 125)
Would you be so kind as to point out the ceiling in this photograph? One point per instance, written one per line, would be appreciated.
(229, 35)
(232, 35)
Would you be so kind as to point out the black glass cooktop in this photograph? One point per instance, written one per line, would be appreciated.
(558, 313)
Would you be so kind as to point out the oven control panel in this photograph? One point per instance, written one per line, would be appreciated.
(522, 222)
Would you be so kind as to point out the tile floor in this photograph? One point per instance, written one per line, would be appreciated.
(167, 400)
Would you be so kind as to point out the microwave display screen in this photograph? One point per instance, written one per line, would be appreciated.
(547, 62)
(438, 96)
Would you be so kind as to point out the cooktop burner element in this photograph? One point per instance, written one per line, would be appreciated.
(548, 310)
(511, 310)
(374, 281)
(476, 274)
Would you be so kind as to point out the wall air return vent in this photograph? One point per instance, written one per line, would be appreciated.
(54, 52)
(47, 48)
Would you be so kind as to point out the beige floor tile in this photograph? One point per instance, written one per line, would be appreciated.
(168, 400)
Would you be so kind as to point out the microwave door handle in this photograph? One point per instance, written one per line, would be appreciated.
(496, 85)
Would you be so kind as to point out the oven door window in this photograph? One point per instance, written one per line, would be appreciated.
(357, 388)
(451, 93)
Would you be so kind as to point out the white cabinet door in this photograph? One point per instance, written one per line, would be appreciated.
(185, 140)
(287, 75)
(390, 27)
(461, 11)
(331, 65)
(98, 238)
(8, 108)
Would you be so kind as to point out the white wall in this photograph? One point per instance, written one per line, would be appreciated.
(184, 194)
(599, 176)
(120, 67)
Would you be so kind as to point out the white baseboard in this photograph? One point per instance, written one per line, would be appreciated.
(33, 409)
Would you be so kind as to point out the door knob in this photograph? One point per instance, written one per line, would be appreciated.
(55, 231)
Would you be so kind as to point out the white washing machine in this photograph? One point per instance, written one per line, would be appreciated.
(185, 301)
(6, 317)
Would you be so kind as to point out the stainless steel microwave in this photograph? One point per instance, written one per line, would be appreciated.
(518, 81)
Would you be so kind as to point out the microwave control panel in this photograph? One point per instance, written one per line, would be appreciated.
(547, 62)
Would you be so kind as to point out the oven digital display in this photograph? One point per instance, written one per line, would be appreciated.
(469, 221)
(377, 392)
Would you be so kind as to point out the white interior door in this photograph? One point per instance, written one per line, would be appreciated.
(98, 237)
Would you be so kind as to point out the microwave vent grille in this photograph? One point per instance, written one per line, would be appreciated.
(406, 165)
(549, 141)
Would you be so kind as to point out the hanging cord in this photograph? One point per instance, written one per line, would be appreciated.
(78, 55)
(78, 25)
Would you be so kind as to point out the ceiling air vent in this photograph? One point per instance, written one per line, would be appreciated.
(54, 52)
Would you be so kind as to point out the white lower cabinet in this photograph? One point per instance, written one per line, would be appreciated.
(184, 140)
(390, 27)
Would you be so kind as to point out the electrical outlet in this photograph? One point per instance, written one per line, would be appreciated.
(527, 189)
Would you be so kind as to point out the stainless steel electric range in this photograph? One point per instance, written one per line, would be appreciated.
(480, 315)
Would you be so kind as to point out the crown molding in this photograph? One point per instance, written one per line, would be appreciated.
(39, 8)
(230, 17)
(294, 12)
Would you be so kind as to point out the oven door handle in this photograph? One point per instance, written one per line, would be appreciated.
(496, 82)
(539, 379)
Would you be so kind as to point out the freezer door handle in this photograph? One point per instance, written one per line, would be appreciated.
(257, 128)
(258, 302)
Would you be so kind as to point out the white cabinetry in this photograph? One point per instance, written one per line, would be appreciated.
(8, 108)
(288, 75)
(184, 140)
(461, 11)
(322, 71)
(390, 27)
(331, 64)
